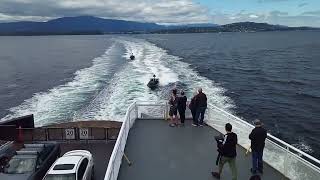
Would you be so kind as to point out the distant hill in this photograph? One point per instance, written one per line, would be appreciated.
(236, 27)
(202, 25)
(85, 25)
(95, 25)
(76, 25)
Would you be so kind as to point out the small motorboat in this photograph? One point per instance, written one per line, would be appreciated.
(132, 57)
(153, 83)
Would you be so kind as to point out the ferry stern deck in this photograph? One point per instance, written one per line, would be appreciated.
(147, 148)
(160, 152)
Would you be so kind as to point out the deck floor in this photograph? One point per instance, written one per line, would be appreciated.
(101, 152)
(159, 152)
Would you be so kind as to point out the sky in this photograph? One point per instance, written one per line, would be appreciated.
(283, 12)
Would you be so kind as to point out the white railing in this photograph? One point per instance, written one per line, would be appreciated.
(288, 160)
(118, 150)
(136, 110)
(6, 146)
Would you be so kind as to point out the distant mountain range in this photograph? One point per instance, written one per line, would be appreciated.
(75, 25)
(236, 27)
(94, 25)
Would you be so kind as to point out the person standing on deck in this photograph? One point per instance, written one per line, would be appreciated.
(182, 105)
(257, 137)
(193, 109)
(173, 108)
(228, 152)
(201, 104)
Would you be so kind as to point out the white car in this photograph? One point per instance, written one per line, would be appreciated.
(73, 165)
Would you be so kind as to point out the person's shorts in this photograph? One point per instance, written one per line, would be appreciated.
(173, 111)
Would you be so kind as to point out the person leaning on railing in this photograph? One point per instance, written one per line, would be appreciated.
(173, 112)
(181, 106)
(201, 104)
(193, 109)
(257, 137)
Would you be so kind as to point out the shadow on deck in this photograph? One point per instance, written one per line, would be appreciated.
(159, 152)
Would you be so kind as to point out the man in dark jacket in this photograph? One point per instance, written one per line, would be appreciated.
(257, 137)
(193, 109)
(229, 152)
(182, 105)
(201, 104)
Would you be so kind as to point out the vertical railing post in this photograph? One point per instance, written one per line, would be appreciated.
(129, 119)
(208, 114)
(166, 109)
(47, 134)
(285, 170)
(136, 109)
(164, 112)
(112, 171)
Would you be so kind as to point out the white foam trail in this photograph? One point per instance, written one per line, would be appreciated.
(59, 103)
(115, 92)
(129, 84)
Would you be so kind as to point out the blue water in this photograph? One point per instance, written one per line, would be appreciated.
(272, 76)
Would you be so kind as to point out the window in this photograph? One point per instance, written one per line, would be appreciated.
(82, 168)
(21, 166)
(63, 167)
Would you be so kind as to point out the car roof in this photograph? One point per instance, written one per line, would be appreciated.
(75, 160)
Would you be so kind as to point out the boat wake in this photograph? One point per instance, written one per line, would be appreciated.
(105, 90)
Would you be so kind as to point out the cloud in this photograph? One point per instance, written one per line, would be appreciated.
(303, 4)
(278, 13)
(263, 1)
(253, 16)
(8, 18)
(312, 13)
(158, 11)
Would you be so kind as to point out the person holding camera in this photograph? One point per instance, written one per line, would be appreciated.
(257, 137)
(228, 152)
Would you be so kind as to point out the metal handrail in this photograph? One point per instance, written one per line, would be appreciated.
(270, 136)
(117, 148)
(5, 145)
(113, 170)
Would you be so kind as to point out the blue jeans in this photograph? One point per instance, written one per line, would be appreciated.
(200, 113)
(257, 162)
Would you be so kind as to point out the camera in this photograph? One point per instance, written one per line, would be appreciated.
(219, 140)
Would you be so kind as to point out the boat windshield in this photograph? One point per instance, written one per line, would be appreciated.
(21, 166)
(60, 177)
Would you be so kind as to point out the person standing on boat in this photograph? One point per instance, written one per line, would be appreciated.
(193, 109)
(201, 104)
(173, 108)
(182, 105)
(228, 152)
(257, 137)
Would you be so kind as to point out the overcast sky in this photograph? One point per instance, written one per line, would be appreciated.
(285, 12)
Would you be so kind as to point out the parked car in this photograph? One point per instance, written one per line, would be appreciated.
(31, 162)
(73, 165)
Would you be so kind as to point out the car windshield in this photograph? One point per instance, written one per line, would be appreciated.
(21, 166)
(60, 177)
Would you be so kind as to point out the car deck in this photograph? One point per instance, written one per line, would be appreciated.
(160, 152)
(101, 152)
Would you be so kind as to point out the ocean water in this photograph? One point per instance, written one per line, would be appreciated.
(271, 76)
